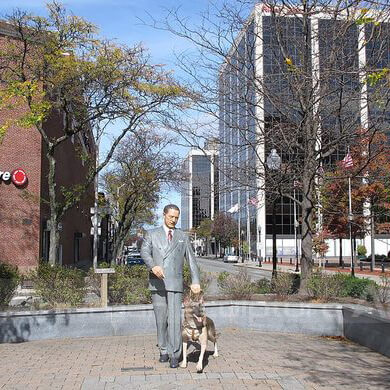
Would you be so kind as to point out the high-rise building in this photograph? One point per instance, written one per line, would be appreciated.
(200, 195)
(256, 98)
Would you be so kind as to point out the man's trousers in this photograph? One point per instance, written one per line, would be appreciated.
(167, 309)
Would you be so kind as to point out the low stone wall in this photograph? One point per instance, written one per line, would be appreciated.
(362, 325)
(123, 320)
(72, 323)
(368, 327)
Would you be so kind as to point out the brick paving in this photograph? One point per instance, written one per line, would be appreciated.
(248, 360)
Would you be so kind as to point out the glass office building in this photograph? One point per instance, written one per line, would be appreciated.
(256, 97)
(200, 193)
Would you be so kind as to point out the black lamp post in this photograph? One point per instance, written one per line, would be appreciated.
(273, 163)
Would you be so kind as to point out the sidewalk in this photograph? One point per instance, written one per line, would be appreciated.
(248, 360)
(287, 267)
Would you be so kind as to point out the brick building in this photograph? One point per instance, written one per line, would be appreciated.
(24, 231)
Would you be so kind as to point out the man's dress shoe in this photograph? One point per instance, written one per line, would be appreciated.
(163, 358)
(174, 363)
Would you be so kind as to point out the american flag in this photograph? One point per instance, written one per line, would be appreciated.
(253, 201)
(347, 161)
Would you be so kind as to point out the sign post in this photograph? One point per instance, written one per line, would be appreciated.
(103, 286)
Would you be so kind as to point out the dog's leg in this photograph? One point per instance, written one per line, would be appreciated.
(215, 354)
(184, 362)
(199, 366)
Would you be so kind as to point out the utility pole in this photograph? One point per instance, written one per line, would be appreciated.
(95, 208)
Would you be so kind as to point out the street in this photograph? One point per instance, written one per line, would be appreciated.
(216, 265)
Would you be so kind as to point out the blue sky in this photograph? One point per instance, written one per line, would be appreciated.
(119, 19)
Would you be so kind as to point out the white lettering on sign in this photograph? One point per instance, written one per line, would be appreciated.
(18, 177)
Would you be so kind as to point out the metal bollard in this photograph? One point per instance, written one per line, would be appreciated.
(290, 260)
(281, 261)
(342, 264)
(383, 268)
(269, 259)
(260, 261)
(361, 266)
(326, 263)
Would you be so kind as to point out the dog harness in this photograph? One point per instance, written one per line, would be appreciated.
(193, 333)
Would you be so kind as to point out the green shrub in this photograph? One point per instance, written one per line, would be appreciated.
(58, 285)
(205, 279)
(9, 280)
(361, 250)
(236, 286)
(262, 286)
(324, 286)
(381, 292)
(283, 284)
(221, 277)
(355, 287)
(129, 285)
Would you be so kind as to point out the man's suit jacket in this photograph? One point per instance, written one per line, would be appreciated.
(170, 257)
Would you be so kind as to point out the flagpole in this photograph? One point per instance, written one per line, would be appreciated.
(239, 232)
(350, 215)
(350, 218)
(248, 227)
(296, 233)
(347, 163)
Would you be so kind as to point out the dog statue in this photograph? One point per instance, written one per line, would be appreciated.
(197, 327)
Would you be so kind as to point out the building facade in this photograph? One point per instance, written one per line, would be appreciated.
(24, 211)
(256, 99)
(200, 194)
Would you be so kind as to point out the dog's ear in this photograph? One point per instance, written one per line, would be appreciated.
(186, 300)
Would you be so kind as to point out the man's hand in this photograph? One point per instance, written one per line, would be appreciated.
(195, 288)
(158, 271)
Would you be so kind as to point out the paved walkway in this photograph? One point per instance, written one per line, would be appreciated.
(287, 267)
(248, 360)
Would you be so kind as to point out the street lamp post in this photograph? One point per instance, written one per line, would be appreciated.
(273, 163)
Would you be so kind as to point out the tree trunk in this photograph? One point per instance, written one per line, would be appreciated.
(54, 241)
(118, 244)
(307, 243)
(341, 252)
(54, 220)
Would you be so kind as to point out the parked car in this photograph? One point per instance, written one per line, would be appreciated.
(134, 259)
(230, 259)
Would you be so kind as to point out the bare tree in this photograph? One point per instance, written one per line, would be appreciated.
(142, 169)
(302, 77)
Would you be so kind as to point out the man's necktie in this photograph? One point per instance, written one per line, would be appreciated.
(169, 236)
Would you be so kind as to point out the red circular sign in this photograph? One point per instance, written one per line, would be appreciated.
(19, 177)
